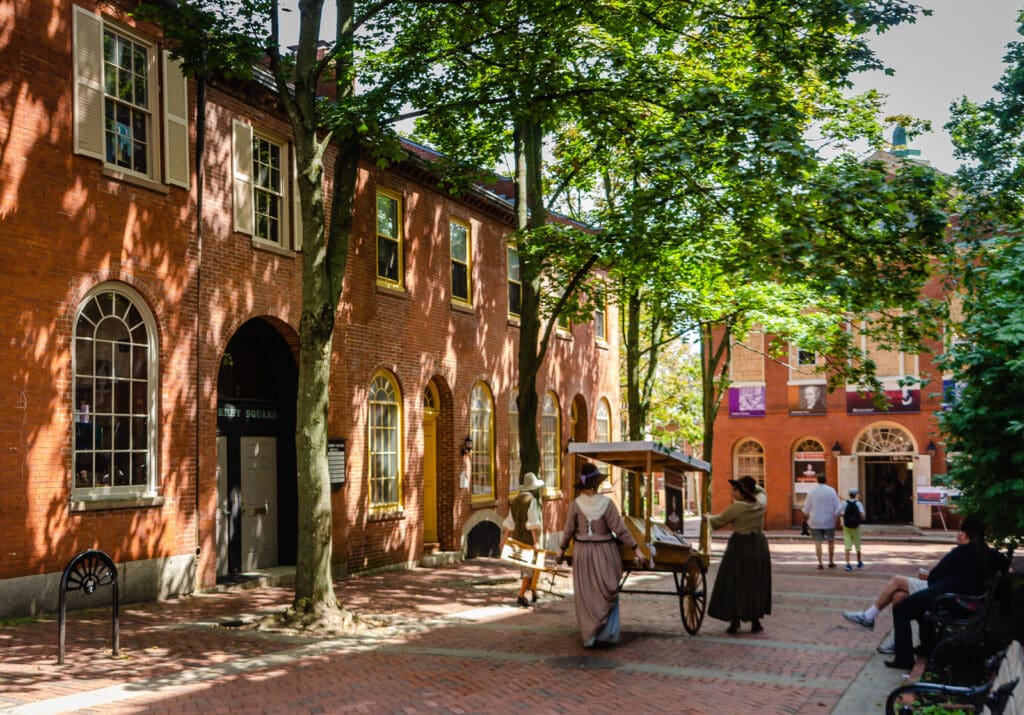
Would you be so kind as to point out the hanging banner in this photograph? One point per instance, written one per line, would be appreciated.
(904, 400)
(747, 401)
(807, 399)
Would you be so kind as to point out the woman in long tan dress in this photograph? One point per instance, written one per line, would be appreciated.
(743, 585)
(593, 523)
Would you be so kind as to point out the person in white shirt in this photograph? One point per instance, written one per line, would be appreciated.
(820, 508)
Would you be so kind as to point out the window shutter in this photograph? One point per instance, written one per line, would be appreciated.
(88, 99)
(241, 155)
(175, 123)
(296, 205)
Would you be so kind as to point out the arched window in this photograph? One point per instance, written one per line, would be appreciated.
(550, 430)
(481, 431)
(749, 461)
(885, 439)
(115, 369)
(603, 429)
(808, 463)
(515, 464)
(384, 425)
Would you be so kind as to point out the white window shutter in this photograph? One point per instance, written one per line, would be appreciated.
(88, 87)
(296, 206)
(241, 155)
(176, 169)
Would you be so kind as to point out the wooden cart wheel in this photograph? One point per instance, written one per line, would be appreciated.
(693, 594)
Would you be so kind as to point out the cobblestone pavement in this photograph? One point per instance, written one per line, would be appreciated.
(450, 640)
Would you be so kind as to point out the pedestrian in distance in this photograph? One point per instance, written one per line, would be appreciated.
(852, 513)
(592, 525)
(524, 523)
(821, 507)
(743, 586)
(964, 570)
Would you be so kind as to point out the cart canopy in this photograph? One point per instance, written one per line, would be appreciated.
(643, 456)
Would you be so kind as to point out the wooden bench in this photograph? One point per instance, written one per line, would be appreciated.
(541, 561)
(1001, 694)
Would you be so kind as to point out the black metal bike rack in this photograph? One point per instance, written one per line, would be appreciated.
(86, 572)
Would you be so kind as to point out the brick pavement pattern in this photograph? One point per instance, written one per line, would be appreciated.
(449, 640)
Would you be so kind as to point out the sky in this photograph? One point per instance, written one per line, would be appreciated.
(955, 52)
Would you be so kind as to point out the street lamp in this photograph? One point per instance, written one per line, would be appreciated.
(467, 445)
(837, 451)
(931, 449)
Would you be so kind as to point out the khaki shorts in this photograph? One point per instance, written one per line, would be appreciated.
(819, 535)
(916, 584)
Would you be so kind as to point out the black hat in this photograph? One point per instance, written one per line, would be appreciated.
(745, 486)
(590, 476)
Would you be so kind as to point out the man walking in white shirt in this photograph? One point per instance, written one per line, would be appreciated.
(820, 508)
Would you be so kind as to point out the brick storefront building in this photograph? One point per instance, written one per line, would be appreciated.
(149, 353)
(780, 425)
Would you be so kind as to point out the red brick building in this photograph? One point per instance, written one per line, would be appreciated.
(149, 353)
(781, 426)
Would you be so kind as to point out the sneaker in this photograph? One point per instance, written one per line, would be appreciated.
(887, 648)
(831, 565)
(860, 564)
(522, 602)
(849, 568)
(858, 618)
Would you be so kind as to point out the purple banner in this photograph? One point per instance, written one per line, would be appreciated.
(747, 401)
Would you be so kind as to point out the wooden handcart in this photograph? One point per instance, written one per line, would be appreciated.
(664, 549)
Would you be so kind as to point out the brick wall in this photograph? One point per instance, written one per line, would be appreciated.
(69, 226)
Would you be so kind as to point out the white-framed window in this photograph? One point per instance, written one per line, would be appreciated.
(515, 464)
(748, 461)
(481, 431)
(601, 313)
(384, 426)
(891, 366)
(550, 433)
(389, 239)
(603, 429)
(120, 116)
(266, 196)
(115, 368)
(747, 363)
(515, 285)
(267, 189)
(462, 267)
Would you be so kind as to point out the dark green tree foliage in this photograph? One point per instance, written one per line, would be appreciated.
(984, 430)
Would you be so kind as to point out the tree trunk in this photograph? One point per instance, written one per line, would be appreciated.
(530, 213)
(714, 359)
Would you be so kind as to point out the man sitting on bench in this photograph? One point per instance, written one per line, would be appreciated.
(964, 570)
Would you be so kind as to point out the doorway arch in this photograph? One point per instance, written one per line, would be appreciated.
(257, 487)
(885, 454)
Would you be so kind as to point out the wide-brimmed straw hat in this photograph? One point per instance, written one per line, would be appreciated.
(745, 486)
(531, 482)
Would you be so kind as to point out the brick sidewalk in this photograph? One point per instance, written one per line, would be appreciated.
(454, 643)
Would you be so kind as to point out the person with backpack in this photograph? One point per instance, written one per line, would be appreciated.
(852, 512)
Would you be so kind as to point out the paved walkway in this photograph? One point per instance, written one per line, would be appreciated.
(447, 640)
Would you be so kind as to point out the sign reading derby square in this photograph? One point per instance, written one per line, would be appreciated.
(904, 400)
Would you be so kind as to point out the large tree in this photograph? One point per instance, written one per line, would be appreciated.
(340, 98)
(984, 429)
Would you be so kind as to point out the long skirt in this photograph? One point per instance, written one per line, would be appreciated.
(596, 570)
(743, 586)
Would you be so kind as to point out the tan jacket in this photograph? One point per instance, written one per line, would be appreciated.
(746, 517)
